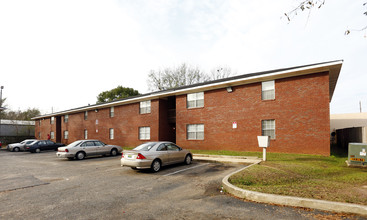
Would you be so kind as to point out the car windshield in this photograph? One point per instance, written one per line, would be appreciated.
(75, 143)
(145, 146)
(29, 142)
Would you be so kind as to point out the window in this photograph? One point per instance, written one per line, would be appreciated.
(66, 135)
(52, 135)
(66, 118)
(144, 133)
(88, 144)
(52, 120)
(195, 100)
(112, 112)
(268, 128)
(268, 90)
(145, 107)
(85, 134)
(39, 135)
(111, 134)
(195, 132)
(85, 115)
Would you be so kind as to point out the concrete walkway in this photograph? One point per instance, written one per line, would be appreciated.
(277, 199)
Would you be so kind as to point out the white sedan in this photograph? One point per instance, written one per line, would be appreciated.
(84, 148)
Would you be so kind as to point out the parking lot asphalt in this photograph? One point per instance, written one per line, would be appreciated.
(41, 186)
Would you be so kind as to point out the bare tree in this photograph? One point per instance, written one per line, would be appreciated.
(308, 5)
(174, 77)
(221, 73)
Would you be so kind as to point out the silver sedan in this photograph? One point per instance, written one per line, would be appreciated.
(154, 155)
(20, 146)
(84, 148)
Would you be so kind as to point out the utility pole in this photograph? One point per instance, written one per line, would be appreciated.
(360, 106)
(1, 103)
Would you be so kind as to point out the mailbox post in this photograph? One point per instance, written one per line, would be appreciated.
(264, 142)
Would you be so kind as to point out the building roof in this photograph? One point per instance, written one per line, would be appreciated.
(15, 122)
(333, 67)
(349, 120)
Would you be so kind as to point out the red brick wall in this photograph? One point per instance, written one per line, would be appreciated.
(126, 123)
(300, 111)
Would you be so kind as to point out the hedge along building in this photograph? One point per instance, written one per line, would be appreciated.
(291, 105)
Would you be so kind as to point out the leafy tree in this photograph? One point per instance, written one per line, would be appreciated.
(117, 93)
(21, 115)
(308, 5)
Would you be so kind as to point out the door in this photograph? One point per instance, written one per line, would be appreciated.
(163, 154)
(101, 148)
(175, 154)
(89, 148)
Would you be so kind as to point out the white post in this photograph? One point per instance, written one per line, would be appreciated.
(264, 153)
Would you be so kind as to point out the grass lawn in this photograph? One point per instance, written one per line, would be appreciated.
(309, 176)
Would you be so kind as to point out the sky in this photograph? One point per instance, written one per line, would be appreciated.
(57, 55)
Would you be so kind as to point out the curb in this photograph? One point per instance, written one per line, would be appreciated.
(291, 200)
(226, 159)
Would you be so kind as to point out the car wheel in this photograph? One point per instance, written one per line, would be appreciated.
(188, 159)
(80, 156)
(156, 165)
(113, 152)
(16, 149)
(38, 150)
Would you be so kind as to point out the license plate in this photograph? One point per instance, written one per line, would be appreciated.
(129, 156)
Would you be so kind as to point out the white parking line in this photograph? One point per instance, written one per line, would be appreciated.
(179, 171)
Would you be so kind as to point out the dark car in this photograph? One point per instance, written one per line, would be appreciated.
(37, 146)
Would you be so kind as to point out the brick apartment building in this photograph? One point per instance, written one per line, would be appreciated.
(291, 105)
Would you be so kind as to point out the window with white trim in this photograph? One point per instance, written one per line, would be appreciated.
(145, 107)
(85, 134)
(111, 134)
(52, 120)
(112, 112)
(195, 132)
(144, 133)
(66, 135)
(195, 100)
(268, 90)
(66, 118)
(268, 128)
(86, 115)
(52, 134)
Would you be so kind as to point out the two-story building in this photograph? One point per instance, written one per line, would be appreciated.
(290, 105)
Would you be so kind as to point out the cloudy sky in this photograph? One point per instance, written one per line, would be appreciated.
(60, 54)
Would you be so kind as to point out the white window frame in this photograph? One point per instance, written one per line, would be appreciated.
(112, 134)
(112, 112)
(268, 128)
(268, 90)
(66, 118)
(144, 133)
(195, 131)
(66, 134)
(52, 120)
(195, 100)
(52, 135)
(145, 107)
(85, 134)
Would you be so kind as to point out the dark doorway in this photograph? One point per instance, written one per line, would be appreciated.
(58, 129)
